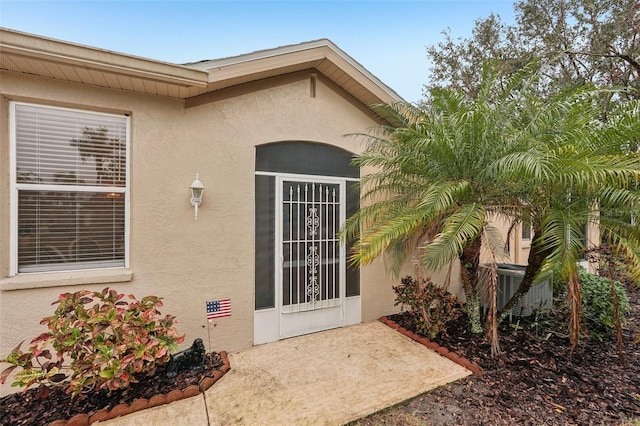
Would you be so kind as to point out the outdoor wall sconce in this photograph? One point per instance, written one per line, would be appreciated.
(197, 188)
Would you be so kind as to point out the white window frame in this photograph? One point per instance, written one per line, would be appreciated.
(14, 187)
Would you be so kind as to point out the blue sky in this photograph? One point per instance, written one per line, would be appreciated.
(388, 37)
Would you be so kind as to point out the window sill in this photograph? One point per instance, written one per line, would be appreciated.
(66, 278)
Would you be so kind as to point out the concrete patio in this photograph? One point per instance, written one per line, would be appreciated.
(326, 378)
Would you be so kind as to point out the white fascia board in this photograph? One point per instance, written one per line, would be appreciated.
(324, 48)
(57, 51)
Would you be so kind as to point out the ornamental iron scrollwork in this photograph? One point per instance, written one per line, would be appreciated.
(313, 260)
(313, 221)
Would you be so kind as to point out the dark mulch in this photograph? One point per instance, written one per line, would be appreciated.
(537, 380)
(35, 407)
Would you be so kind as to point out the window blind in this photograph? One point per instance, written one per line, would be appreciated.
(71, 183)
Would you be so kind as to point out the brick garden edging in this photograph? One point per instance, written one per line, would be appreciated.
(474, 368)
(154, 401)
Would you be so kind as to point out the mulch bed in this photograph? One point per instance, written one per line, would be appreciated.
(43, 405)
(537, 380)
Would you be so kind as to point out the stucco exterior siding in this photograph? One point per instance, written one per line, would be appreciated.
(207, 118)
(185, 261)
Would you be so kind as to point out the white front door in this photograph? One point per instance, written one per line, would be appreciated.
(310, 270)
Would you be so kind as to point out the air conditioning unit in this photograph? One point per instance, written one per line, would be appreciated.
(510, 276)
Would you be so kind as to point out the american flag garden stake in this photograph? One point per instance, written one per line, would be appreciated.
(217, 309)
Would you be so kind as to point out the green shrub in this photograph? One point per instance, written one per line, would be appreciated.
(105, 340)
(597, 303)
(431, 304)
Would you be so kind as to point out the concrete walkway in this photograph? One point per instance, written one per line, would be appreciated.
(327, 378)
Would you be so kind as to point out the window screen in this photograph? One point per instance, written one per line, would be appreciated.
(305, 158)
(300, 158)
(71, 183)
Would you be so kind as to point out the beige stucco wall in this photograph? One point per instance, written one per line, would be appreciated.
(518, 252)
(172, 255)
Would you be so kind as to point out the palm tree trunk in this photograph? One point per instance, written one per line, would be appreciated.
(469, 262)
(536, 257)
(574, 298)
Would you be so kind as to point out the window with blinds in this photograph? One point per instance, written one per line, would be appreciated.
(70, 183)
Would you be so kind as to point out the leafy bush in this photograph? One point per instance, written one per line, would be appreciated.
(106, 340)
(431, 304)
(597, 303)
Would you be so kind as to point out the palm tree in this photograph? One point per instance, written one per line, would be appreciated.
(444, 171)
(576, 166)
(434, 190)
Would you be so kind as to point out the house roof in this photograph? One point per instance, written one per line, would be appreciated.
(36, 55)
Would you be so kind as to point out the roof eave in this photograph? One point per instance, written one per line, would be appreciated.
(36, 55)
(315, 54)
(61, 52)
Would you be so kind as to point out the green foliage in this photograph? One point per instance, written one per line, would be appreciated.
(598, 308)
(597, 303)
(432, 305)
(105, 340)
(580, 42)
(448, 168)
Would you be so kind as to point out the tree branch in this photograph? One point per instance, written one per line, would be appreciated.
(627, 58)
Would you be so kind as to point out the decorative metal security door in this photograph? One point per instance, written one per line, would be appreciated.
(312, 270)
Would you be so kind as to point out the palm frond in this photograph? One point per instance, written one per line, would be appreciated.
(458, 229)
(494, 243)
